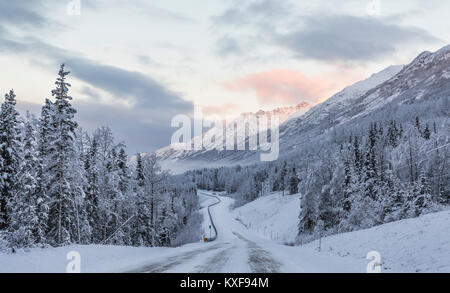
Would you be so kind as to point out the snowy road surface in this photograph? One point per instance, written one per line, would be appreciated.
(237, 250)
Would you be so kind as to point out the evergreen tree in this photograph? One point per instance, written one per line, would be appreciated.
(327, 212)
(370, 165)
(139, 171)
(350, 188)
(283, 174)
(92, 193)
(389, 198)
(114, 201)
(46, 131)
(308, 214)
(393, 134)
(10, 154)
(165, 225)
(423, 202)
(427, 132)
(46, 128)
(418, 126)
(26, 228)
(64, 170)
(124, 181)
(141, 235)
(293, 182)
(124, 186)
(357, 156)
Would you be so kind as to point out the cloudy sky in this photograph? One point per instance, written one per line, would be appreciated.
(135, 64)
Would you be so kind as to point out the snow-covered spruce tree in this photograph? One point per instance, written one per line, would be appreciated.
(388, 197)
(46, 135)
(64, 170)
(309, 201)
(427, 132)
(115, 202)
(293, 182)
(393, 134)
(370, 176)
(308, 214)
(10, 154)
(423, 202)
(283, 174)
(26, 227)
(82, 143)
(353, 203)
(165, 224)
(393, 200)
(153, 177)
(124, 175)
(92, 193)
(369, 185)
(142, 229)
(126, 205)
(45, 132)
(46, 128)
(111, 196)
(347, 188)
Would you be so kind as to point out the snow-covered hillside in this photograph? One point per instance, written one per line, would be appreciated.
(273, 216)
(419, 245)
(413, 245)
(345, 98)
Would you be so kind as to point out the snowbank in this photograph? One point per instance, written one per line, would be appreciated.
(413, 245)
(94, 258)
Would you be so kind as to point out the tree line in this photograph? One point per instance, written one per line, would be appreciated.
(59, 185)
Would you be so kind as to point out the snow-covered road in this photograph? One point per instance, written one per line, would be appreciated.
(237, 250)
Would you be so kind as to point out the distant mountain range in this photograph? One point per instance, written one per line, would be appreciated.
(426, 77)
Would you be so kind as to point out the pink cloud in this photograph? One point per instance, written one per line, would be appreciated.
(221, 110)
(287, 87)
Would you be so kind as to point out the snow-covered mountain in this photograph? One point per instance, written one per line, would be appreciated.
(215, 137)
(426, 77)
(284, 113)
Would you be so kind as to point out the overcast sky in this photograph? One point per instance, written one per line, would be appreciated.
(135, 64)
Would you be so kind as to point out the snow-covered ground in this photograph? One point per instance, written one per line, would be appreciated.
(416, 245)
(273, 217)
(94, 258)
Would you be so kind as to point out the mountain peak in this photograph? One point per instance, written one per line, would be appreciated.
(444, 49)
(283, 112)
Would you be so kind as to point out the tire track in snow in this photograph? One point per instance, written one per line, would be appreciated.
(215, 263)
(260, 261)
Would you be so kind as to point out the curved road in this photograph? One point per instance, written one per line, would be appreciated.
(229, 251)
(210, 217)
